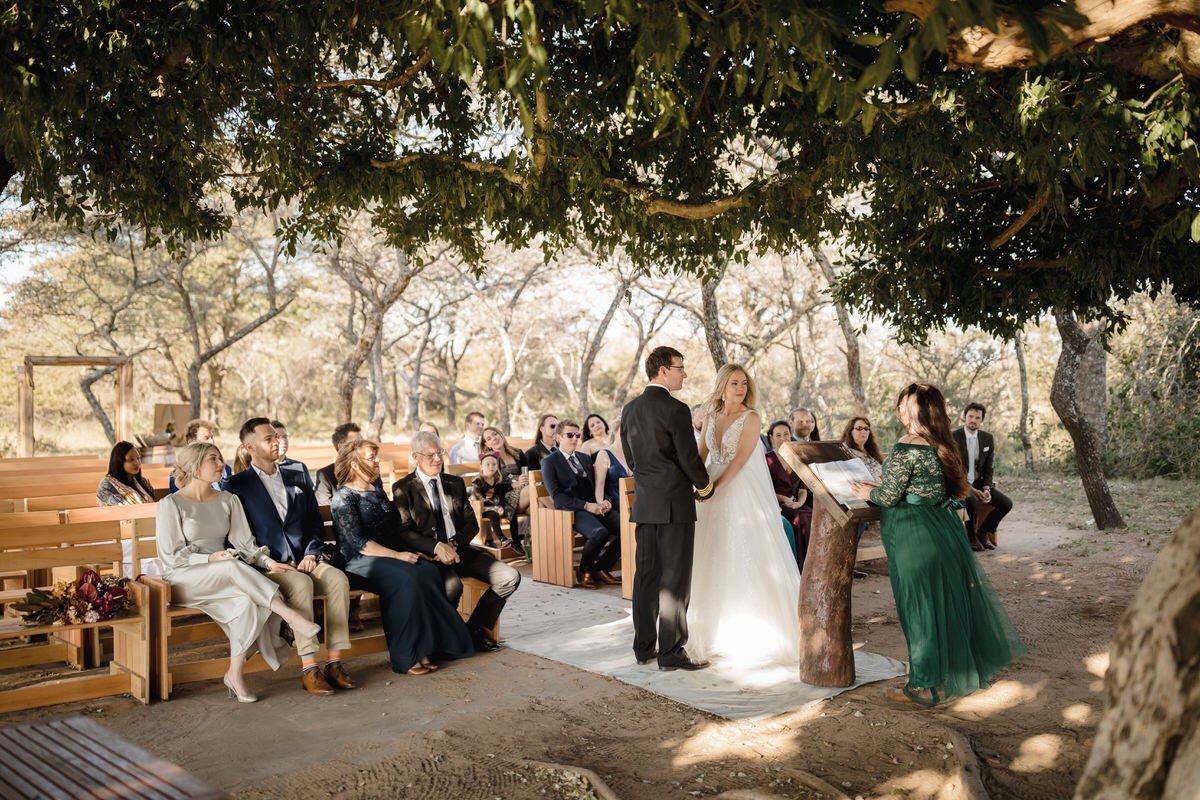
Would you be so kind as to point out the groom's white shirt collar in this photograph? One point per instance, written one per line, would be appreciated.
(660, 386)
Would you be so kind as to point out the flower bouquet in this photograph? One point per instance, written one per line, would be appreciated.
(92, 598)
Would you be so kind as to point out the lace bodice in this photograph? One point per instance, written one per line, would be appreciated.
(724, 453)
(910, 469)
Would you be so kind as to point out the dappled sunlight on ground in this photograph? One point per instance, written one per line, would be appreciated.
(923, 783)
(1038, 753)
(1000, 697)
(1079, 714)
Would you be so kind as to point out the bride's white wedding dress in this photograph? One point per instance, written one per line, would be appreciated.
(745, 582)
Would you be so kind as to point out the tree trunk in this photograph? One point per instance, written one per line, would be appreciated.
(1026, 439)
(589, 355)
(826, 644)
(1064, 396)
(348, 377)
(852, 353)
(1147, 745)
(379, 393)
(7, 171)
(85, 385)
(1093, 384)
(193, 383)
(712, 320)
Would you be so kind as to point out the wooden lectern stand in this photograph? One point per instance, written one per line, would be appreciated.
(826, 651)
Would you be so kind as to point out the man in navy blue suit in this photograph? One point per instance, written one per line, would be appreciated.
(570, 480)
(282, 512)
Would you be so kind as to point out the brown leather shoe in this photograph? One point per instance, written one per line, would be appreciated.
(336, 675)
(313, 681)
(584, 580)
(607, 578)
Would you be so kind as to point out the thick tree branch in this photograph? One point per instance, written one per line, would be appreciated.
(400, 81)
(1012, 230)
(1009, 46)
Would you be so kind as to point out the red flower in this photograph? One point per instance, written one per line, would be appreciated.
(87, 591)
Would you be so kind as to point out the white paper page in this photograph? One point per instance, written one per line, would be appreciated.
(839, 477)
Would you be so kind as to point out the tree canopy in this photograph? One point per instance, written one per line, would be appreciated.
(687, 133)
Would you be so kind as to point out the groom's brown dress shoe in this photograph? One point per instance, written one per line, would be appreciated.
(584, 580)
(607, 578)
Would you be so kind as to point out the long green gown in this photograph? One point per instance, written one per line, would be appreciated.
(959, 635)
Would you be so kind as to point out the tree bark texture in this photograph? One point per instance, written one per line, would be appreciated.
(1026, 439)
(1147, 745)
(1064, 396)
(593, 349)
(852, 352)
(712, 320)
(85, 385)
(826, 647)
(7, 171)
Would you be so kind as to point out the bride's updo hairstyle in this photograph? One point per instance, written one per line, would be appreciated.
(716, 402)
(927, 417)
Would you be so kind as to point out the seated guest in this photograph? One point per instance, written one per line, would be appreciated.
(977, 448)
(124, 485)
(436, 520)
(514, 465)
(326, 483)
(419, 623)
(804, 426)
(493, 487)
(241, 460)
(200, 430)
(284, 461)
(595, 435)
(424, 426)
(860, 439)
(283, 515)
(547, 424)
(570, 480)
(610, 468)
(795, 501)
(210, 558)
(466, 450)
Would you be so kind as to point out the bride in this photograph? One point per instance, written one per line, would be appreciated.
(745, 582)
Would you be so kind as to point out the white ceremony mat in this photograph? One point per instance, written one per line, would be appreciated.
(593, 630)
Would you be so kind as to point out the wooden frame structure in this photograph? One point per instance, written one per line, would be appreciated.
(124, 376)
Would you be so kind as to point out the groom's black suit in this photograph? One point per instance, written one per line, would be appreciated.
(656, 430)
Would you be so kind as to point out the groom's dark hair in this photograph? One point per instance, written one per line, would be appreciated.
(660, 357)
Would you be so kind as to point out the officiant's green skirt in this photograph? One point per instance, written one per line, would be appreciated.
(959, 635)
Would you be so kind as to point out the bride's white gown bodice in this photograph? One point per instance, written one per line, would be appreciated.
(745, 583)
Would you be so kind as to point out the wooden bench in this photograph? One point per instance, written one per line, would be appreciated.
(75, 757)
(174, 625)
(40, 548)
(628, 538)
(554, 537)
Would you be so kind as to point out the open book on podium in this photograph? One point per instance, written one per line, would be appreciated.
(829, 469)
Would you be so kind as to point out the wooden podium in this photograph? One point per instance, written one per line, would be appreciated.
(826, 651)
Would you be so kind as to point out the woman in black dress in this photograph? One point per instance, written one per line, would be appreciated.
(418, 620)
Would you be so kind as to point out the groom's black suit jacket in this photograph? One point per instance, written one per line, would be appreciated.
(656, 431)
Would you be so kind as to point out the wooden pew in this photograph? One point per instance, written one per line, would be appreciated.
(73, 545)
(45, 485)
(628, 538)
(553, 535)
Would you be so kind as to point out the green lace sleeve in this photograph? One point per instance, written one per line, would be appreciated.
(897, 472)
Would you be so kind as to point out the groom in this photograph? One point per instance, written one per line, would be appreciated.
(662, 454)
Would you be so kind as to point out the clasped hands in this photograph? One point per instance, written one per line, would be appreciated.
(983, 495)
(599, 509)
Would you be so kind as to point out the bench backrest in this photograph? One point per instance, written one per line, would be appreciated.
(81, 544)
(158, 476)
(59, 502)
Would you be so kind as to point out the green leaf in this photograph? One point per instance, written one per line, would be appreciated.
(1196, 228)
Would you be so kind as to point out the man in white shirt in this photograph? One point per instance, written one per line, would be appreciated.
(977, 448)
(467, 449)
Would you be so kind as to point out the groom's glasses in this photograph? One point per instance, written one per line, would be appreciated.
(675, 366)
(572, 435)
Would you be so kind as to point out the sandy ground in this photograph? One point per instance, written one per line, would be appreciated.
(473, 729)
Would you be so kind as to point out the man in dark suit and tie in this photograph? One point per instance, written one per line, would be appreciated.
(283, 516)
(570, 481)
(436, 520)
(978, 449)
(669, 476)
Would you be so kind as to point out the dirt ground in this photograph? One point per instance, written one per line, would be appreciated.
(511, 725)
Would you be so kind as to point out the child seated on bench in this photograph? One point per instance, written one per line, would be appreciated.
(493, 488)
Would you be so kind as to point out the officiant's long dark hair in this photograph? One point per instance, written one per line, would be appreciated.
(933, 423)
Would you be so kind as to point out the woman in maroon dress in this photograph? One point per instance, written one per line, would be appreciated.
(795, 502)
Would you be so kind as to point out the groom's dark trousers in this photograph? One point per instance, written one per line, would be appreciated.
(662, 588)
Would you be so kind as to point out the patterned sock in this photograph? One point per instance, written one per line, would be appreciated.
(334, 655)
(308, 661)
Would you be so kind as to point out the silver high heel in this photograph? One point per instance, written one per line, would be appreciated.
(241, 698)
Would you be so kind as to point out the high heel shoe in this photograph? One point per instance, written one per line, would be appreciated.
(241, 698)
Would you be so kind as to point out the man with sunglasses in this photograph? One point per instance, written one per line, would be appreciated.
(437, 521)
(547, 424)
(570, 480)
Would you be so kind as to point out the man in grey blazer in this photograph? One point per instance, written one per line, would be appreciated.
(669, 476)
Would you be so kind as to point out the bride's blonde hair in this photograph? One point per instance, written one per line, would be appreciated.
(716, 402)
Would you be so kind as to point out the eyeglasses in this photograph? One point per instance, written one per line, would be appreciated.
(859, 428)
(572, 435)
(434, 454)
(676, 366)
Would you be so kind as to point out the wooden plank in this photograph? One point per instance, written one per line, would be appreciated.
(59, 502)
(56, 534)
(80, 555)
(65, 690)
(35, 766)
(33, 655)
(29, 519)
(86, 775)
(142, 511)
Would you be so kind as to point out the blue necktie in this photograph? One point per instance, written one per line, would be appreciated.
(439, 518)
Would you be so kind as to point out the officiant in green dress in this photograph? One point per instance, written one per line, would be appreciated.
(958, 634)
